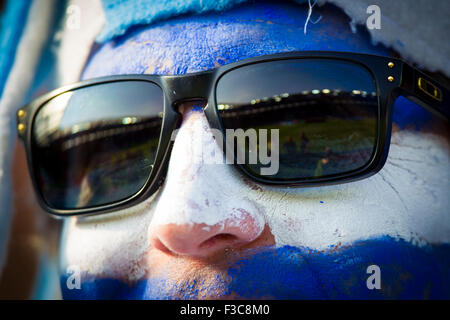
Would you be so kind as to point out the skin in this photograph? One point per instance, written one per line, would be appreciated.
(210, 232)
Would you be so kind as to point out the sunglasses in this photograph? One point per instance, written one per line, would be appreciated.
(101, 145)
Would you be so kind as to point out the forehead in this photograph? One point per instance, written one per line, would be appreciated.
(196, 43)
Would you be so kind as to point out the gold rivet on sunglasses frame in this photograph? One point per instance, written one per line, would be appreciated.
(21, 113)
(390, 78)
(391, 65)
(21, 127)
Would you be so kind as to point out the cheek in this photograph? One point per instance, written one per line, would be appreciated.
(407, 199)
(113, 246)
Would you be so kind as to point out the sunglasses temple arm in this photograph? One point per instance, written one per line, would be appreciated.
(426, 92)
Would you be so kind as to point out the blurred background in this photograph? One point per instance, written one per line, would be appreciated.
(28, 237)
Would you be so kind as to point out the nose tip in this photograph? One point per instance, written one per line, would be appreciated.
(202, 207)
(201, 240)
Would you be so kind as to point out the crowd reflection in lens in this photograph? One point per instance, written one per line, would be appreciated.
(92, 146)
(322, 132)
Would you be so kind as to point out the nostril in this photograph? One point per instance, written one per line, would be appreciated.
(203, 240)
(221, 239)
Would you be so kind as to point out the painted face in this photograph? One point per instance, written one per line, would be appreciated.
(209, 232)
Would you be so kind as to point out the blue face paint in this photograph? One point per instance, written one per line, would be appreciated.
(191, 44)
(409, 115)
(406, 272)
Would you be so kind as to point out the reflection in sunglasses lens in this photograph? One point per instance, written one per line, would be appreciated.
(326, 112)
(96, 145)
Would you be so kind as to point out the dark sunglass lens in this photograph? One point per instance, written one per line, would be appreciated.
(96, 145)
(325, 111)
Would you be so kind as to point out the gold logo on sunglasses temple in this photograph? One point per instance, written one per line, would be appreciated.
(430, 89)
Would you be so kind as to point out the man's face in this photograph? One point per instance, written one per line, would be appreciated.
(210, 232)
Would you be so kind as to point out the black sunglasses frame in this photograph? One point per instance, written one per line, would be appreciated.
(393, 77)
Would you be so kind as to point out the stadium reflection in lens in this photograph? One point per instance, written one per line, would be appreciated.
(97, 144)
(326, 111)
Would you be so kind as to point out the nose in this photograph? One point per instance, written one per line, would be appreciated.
(203, 207)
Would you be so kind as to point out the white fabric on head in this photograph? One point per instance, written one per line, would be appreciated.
(417, 29)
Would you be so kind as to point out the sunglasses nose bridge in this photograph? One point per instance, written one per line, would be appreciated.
(188, 88)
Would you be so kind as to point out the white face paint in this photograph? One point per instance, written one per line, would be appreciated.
(407, 199)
